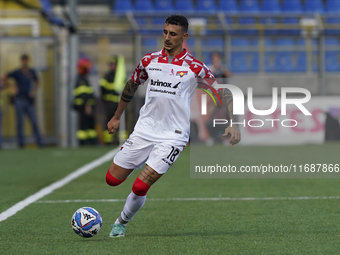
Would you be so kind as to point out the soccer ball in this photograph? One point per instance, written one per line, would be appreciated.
(86, 222)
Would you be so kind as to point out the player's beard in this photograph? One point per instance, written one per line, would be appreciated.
(168, 45)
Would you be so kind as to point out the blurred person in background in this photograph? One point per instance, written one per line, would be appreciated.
(217, 67)
(84, 103)
(111, 86)
(219, 71)
(215, 132)
(25, 90)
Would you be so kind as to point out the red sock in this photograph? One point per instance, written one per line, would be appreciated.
(112, 181)
(139, 187)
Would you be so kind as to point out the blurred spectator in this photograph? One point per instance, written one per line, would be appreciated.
(215, 133)
(216, 112)
(84, 103)
(25, 91)
(217, 67)
(111, 86)
(332, 126)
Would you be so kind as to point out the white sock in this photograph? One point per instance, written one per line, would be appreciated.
(132, 205)
(120, 221)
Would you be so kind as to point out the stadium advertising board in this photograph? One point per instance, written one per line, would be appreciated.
(303, 129)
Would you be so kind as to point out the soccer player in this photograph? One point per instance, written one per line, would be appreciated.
(162, 130)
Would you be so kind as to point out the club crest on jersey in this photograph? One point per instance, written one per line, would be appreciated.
(181, 73)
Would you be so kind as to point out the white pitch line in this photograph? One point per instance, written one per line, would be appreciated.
(56, 185)
(190, 199)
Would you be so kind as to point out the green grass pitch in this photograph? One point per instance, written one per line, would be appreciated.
(170, 227)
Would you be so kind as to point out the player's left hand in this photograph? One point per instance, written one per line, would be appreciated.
(235, 135)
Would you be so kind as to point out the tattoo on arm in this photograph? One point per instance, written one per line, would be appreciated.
(129, 90)
(227, 102)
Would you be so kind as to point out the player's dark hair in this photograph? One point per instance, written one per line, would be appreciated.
(178, 20)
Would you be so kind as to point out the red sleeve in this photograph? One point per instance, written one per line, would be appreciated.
(202, 73)
(140, 75)
(206, 73)
(201, 70)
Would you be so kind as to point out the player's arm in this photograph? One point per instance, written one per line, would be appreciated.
(127, 95)
(233, 130)
(227, 73)
(6, 84)
(34, 90)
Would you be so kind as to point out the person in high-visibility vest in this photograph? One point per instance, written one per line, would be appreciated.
(112, 85)
(84, 103)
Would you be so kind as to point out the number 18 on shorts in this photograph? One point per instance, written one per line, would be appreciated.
(136, 152)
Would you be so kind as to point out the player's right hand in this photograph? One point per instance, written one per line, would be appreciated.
(234, 133)
(113, 125)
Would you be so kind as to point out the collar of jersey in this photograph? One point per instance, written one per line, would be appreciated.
(177, 56)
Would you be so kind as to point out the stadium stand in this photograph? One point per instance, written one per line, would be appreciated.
(332, 61)
(332, 20)
(288, 6)
(244, 56)
(121, 6)
(283, 51)
(213, 42)
(314, 6)
(270, 7)
(164, 6)
(249, 6)
(210, 45)
(143, 5)
(332, 57)
(332, 40)
(291, 7)
(149, 42)
(158, 21)
(285, 54)
(184, 6)
(333, 6)
(244, 41)
(206, 6)
(229, 6)
(244, 62)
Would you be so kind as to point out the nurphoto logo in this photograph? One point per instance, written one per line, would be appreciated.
(238, 105)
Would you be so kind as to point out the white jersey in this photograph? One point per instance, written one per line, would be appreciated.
(171, 85)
